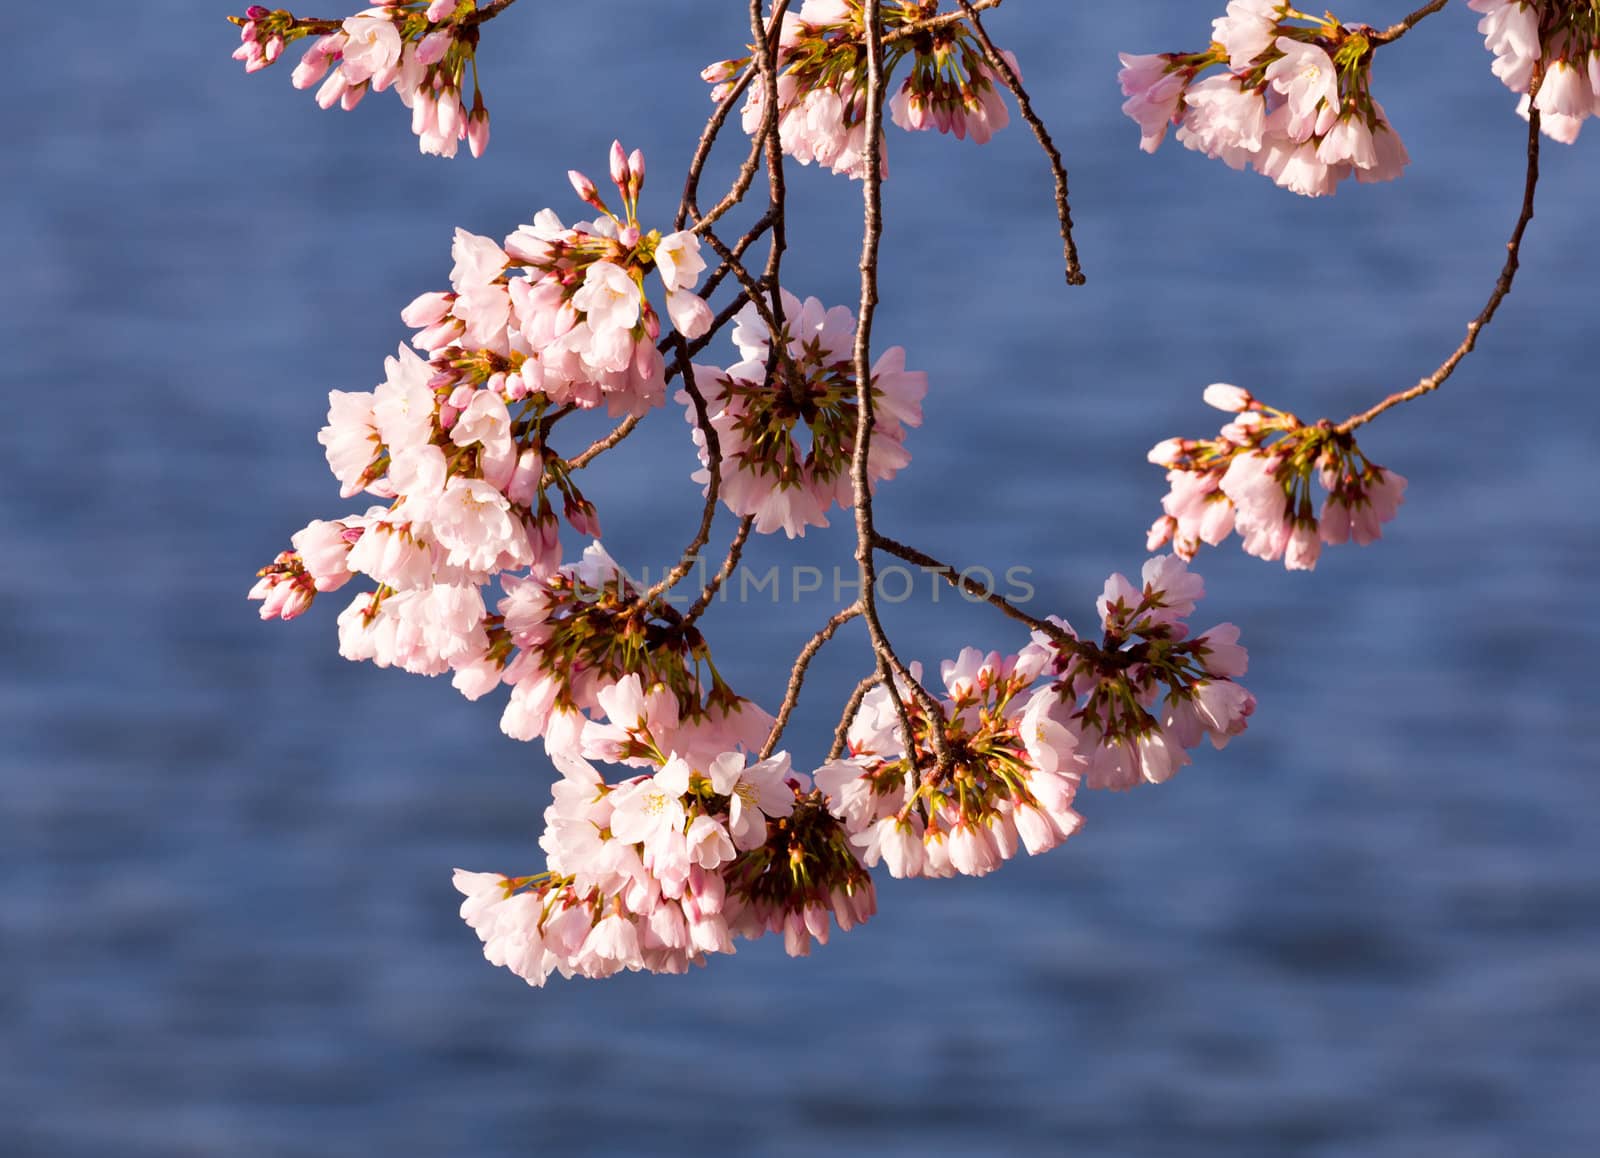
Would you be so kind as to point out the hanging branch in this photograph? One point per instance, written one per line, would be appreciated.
(1502, 287)
(1002, 67)
(889, 664)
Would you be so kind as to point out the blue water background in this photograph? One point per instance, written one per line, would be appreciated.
(1368, 928)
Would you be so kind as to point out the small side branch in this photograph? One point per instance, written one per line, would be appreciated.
(1502, 287)
(934, 23)
(708, 512)
(731, 561)
(1395, 31)
(1002, 68)
(797, 677)
(841, 734)
(962, 582)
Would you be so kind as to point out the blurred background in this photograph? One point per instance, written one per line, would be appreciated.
(1368, 928)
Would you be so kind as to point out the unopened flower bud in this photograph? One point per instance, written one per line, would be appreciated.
(584, 188)
(1166, 452)
(478, 130)
(1230, 398)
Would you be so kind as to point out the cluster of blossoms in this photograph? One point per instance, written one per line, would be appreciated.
(661, 869)
(1557, 41)
(456, 442)
(822, 69)
(1109, 695)
(589, 661)
(786, 418)
(1020, 749)
(1293, 101)
(419, 48)
(1010, 784)
(560, 314)
(658, 871)
(1255, 478)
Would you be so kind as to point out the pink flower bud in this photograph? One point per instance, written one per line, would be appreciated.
(432, 48)
(636, 169)
(583, 187)
(427, 310)
(478, 130)
(619, 164)
(1230, 398)
(1166, 452)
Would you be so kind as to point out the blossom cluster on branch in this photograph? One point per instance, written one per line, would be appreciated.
(1255, 478)
(1553, 45)
(677, 827)
(821, 83)
(421, 49)
(1293, 100)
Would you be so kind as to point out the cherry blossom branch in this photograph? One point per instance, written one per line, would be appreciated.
(751, 287)
(767, 63)
(889, 664)
(715, 278)
(962, 582)
(688, 205)
(933, 23)
(1002, 67)
(1396, 31)
(708, 137)
(488, 12)
(797, 677)
(1502, 287)
(601, 445)
(729, 562)
(841, 733)
(708, 512)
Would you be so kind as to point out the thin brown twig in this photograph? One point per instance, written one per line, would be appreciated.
(1002, 66)
(934, 23)
(729, 562)
(487, 12)
(1502, 287)
(736, 193)
(600, 445)
(1395, 31)
(962, 582)
(841, 733)
(797, 677)
(688, 204)
(751, 287)
(708, 512)
(889, 664)
(767, 62)
(751, 236)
